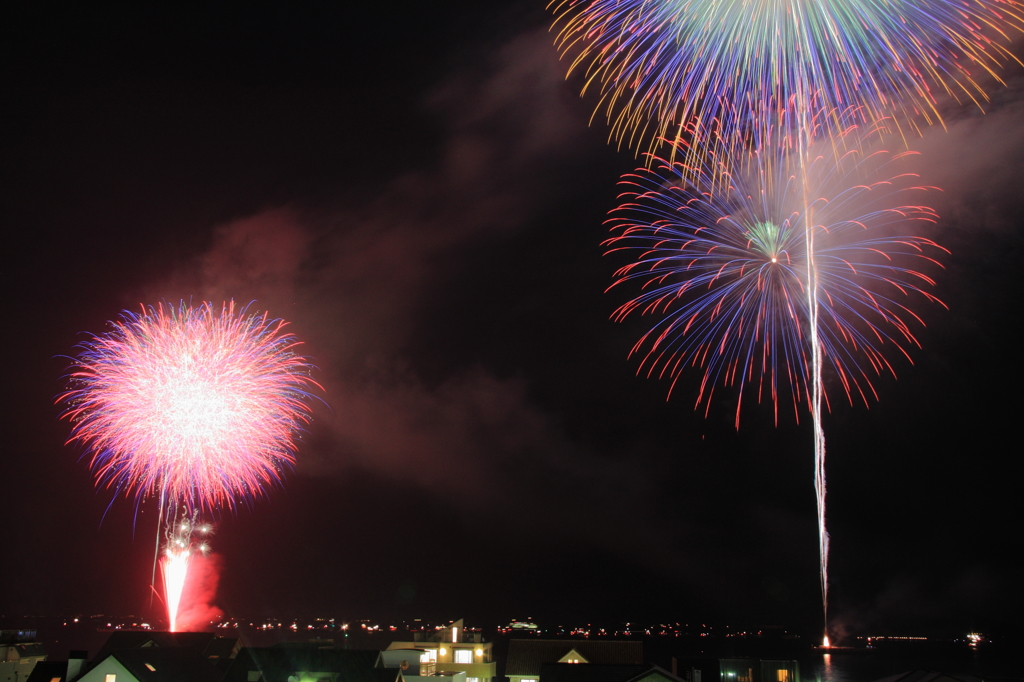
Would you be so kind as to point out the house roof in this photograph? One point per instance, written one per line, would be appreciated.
(621, 672)
(525, 656)
(133, 639)
(220, 647)
(167, 664)
(206, 643)
(47, 671)
(277, 663)
(199, 640)
(28, 649)
(588, 672)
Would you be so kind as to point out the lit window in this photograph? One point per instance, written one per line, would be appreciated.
(110, 677)
(472, 679)
(149, 666)
(463, 655)
(782, 675)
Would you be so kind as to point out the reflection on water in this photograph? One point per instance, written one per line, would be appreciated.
(825, 669)
(869, 666)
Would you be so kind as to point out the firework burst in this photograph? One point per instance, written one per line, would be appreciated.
(766, 272)
(725, 272)
(663, 66)
(199, 405)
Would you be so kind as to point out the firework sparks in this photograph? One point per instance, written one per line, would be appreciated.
(186, 538)
(664, 65)
(716, 79)
(728, 255)
(725, 272)
(196, 406)
(200, 406)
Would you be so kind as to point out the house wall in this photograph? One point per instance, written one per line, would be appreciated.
(483, 667)
(15, 671)
(13, 666)
(780, 671)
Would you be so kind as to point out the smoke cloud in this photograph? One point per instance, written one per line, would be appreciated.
(363, 281)
(196, 611)
(357, 282)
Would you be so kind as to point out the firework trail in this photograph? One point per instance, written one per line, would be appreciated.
(718, 73)
(662, 66)
(196, 406)
(185, 538)
(722, 257)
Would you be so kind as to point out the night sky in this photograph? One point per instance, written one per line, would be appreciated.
(418, 192)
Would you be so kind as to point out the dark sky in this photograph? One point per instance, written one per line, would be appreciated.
(418, 192)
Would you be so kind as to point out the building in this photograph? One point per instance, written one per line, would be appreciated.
(19, 653)
(213, 647)
(146, 656)
(595, 672)
(736, 670)
(451, 650)
(49, 671)
(308, 662)
(153, 664)
(526, 657)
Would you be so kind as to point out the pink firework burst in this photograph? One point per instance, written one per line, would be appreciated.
(198, 405)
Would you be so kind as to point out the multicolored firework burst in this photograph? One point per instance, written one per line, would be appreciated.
(718, 80)
(725, 272)
(663, 66)
(196, 406)
(765, 271)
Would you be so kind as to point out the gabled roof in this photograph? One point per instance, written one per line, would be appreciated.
(525, 656)
(656, 674)
(167, 664)
(206, 643)
(277, 663)
(134, 639)
(573, 656)
(221, 647)
(579, 672)
(198, 640)
(621, 672)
